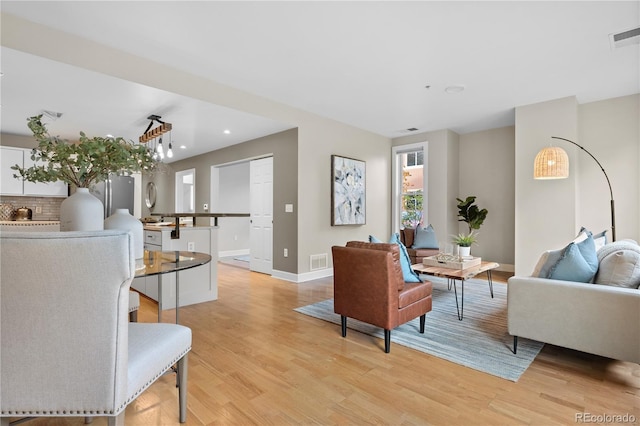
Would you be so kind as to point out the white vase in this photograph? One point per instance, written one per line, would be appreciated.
(81, 212)
(121, 219)
(464, 251)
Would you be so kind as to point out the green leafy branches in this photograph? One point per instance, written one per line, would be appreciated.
(470, 213)
(81, 164)
(465, 240)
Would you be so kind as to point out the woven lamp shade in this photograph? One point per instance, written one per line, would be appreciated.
(551, 163)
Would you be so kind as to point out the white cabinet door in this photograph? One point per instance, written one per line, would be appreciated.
(9, 157)
(51, 189)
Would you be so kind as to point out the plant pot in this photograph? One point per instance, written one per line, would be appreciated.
(81, 212)
(464, 251)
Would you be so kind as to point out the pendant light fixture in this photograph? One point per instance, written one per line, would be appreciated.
(156, 134)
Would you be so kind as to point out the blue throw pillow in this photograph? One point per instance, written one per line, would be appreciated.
(573, 265)
(410, 276)
(588, 250)
(425, 238)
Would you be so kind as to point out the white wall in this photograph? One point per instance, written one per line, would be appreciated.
(545, 210)
(610, 130)
(487, 170)
(548, 214)
(324, 138)
(233, 196)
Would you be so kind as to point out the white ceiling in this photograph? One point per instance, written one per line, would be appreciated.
(361, 63)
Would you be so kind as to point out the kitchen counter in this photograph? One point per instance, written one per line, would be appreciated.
(175, 234)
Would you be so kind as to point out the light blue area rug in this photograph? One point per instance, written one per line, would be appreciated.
(480, 341)
(243, 258)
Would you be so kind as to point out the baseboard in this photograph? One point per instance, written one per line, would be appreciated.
(230, 253)
(506, 267)
(300, 278)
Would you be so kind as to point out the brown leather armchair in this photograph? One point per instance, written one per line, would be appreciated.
(368, 286)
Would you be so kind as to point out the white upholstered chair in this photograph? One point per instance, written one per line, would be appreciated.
(67, 347)
(134, 305)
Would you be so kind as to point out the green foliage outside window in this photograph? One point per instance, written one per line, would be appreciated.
(412, 209)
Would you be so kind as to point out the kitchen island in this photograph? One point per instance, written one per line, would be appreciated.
(196, 285)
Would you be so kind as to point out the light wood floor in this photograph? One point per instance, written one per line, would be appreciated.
(256, 361)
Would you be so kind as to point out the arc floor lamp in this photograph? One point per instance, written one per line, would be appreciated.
(553, 163)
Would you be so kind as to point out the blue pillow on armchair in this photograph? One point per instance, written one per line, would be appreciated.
(409, 275)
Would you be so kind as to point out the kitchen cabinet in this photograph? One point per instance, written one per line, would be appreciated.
(197, 285)
(9, 185)
(9, 157)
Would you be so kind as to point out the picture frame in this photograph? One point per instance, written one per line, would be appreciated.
(348, 191)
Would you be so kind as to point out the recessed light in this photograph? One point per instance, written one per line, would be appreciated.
(110, 136)
(227, 132)
(456, 88)
(183, 147)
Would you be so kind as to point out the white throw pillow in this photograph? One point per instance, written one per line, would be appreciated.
(619, 265)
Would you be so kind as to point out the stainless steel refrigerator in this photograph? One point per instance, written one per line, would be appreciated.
(117, 192)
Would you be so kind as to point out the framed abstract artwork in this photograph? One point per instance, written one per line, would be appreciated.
(348, 191)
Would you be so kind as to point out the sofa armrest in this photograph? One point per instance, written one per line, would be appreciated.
(598, 319)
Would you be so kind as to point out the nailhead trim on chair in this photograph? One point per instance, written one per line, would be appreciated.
(150, 382)
(97, 412)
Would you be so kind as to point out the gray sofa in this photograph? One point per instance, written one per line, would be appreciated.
(601, 318)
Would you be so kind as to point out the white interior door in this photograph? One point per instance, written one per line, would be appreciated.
(261, 209)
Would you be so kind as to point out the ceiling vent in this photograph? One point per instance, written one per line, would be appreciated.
(625, 38)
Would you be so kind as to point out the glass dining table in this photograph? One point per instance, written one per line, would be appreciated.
(165, 262)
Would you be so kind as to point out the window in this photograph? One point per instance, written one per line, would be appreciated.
(414, 158)
(409, 183)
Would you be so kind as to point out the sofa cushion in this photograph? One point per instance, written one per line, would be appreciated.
(578, 262)
(619, 265)
(408, 273)
(425, 238)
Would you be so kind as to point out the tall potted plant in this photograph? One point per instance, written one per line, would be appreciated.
(474, 217)
(81, 164)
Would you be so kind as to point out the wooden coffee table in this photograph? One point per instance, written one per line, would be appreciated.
(452, 275)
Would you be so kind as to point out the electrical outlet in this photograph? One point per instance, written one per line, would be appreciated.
(286, 253)
(191, 246)
(205, 207)
(38, 209)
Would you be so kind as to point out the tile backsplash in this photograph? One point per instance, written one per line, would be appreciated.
(50, 205)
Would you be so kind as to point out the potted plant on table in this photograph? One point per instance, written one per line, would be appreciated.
(474, 217)
(81, 164)
(464, 242)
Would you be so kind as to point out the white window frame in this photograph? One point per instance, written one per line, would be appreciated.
(396, 180)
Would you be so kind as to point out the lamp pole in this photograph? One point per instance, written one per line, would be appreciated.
(613, 214)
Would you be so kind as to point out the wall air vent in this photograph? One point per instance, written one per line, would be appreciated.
(625, 38)
(318, 261)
